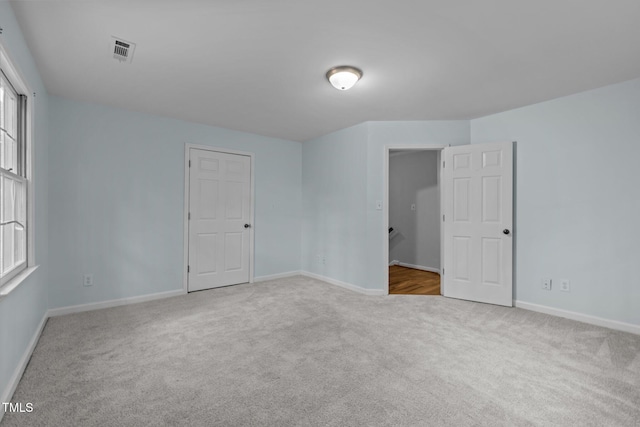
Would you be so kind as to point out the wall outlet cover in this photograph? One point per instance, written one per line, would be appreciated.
(87, 280)
(546, 284)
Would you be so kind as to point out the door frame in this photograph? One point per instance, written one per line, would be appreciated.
(385, 210)
(185, 213)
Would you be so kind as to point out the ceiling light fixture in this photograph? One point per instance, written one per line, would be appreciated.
(344, 77)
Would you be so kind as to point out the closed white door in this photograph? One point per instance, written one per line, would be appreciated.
(478, 219)
(219, 219)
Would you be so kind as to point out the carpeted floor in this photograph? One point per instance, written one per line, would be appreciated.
(301, 352)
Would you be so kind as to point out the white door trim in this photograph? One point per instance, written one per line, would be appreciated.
(385, 206)
(185, 229)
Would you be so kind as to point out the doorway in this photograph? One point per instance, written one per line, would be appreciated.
(476, 211)
(218, 217)
(414, 218)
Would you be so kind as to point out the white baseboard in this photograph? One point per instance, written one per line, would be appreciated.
(113, 303)
(276, 276)
(7, 394)
(345, 285)
(585, 318)
(417, 267)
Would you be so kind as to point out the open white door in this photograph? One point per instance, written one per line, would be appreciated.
(478, 219)
(219, 219)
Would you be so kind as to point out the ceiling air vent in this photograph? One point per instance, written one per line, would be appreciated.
(122, 50)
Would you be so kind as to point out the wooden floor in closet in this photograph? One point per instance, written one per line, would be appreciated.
(410, 281)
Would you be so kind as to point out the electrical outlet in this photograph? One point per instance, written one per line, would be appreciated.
(87, 280)
(546, 284)
(565, 285)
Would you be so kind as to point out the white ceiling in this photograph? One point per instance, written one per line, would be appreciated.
(259, 65)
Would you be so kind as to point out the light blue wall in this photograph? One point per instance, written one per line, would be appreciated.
(334, 205)
(116, 206)
(23, 309)
(342, 180)
(578, 201)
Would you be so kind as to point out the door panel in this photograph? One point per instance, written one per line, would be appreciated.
(491, 198)
(461, 199)
(219, 206)
(461, 161)
(491, 255)
(492, 159)
(207, 253)
(208, 195)
(233, 252)
(235, 197)
(461, 251)
(478, 208)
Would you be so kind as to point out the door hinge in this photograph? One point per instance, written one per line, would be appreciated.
(443, 271)
(189, 163)
(189, 216)
(442, 218)
(188, 268)
(443, 164)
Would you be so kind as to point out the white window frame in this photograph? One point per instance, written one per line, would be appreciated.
(19, 83)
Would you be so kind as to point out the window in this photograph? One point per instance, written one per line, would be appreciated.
(13, 180)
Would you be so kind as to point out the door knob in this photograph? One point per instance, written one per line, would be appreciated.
(505, 231)
(247, 226)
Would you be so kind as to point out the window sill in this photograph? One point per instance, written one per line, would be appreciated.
(12, 284)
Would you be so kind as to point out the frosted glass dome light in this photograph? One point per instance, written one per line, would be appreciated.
(344, 77)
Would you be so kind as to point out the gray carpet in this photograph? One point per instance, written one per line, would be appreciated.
(301, 352)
